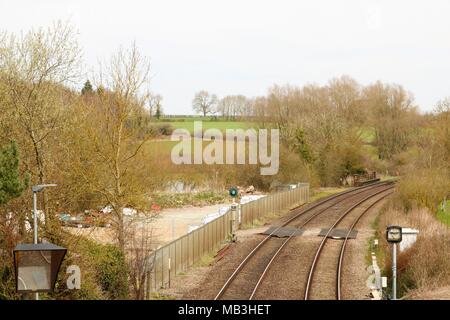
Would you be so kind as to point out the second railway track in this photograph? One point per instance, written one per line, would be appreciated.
(247, 278)
(326, 282)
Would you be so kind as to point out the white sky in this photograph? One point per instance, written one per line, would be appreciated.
(245, 46)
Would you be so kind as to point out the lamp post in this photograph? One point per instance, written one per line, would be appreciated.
(37, 188)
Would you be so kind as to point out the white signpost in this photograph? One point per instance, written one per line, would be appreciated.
(394, 236)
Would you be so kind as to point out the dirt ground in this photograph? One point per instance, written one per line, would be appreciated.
(191, 285)
(205, 281)
(169, 224)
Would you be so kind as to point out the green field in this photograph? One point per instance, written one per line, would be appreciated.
(188, 124)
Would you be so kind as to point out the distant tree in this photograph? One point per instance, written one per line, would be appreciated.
(393, 117)
(158, 112)
(156, 106)
(100, 90)
(87, 88)
(204, 103)
(11, 185)
(233, 106)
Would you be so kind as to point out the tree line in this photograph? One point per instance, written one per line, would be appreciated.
(89, 143)
(92, 142)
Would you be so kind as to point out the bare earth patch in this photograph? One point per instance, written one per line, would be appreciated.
(168, 225)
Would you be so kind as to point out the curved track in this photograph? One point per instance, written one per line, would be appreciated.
(244, 282)
(319, 251)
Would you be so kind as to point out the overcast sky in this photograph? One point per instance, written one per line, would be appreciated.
(245, 46)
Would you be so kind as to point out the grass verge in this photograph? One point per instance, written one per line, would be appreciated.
(443, 214)
(324, 192)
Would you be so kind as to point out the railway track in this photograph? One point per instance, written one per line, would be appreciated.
(384, 193)
(344, 246)
(246, 279)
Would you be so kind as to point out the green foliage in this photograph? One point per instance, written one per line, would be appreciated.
(301, 146)
(158, 112)
(7, 282)
(337, 161)
(87, 88)
(105, 267)
(10, 184)
(424, 188)
(112, 271)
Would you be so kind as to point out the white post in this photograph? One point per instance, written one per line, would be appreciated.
(394, 271)
(169, 262)
(233, 220)
(35, 213)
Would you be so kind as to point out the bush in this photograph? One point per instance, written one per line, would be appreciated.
(426, 265)
(161, 129)
(424, 188)
(104, 272)
(111, 270)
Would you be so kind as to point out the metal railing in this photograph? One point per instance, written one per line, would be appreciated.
(178, 255)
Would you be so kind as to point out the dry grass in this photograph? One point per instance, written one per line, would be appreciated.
(424, 188)
(425, 266)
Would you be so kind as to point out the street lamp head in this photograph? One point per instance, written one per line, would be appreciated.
(40, 187)
(37, 266)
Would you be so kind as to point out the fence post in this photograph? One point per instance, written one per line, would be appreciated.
(192, 237)
(233, 222)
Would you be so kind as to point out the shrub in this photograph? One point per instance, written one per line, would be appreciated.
(161, 129)
(104, 272)
(111, 270)
(424, 188)
(426, 265)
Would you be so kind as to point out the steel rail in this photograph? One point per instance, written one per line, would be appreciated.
(299, 214)
(325, 238)
(344, 244)
(279, 250)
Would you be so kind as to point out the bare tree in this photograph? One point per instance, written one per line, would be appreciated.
(204, 103)
(140, 261)
(105, 135)
(232, 107)
(392, 115)
(33, 67)
(344, 93)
